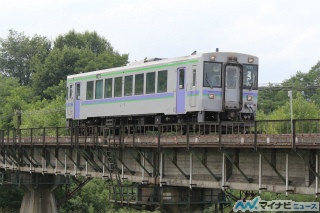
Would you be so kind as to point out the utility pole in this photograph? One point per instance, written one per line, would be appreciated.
(291, 112)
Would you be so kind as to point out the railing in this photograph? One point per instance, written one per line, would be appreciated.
(71, 136)
(249, 134)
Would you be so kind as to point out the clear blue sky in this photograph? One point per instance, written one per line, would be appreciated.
(284, 34)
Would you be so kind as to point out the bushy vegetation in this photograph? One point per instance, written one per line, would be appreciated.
(33, 73)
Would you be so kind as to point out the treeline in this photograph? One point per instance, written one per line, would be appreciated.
(33, 72)
(274, 103)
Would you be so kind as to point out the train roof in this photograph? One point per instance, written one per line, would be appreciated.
(152, 62)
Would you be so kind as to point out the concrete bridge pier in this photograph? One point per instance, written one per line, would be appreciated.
(39, 194)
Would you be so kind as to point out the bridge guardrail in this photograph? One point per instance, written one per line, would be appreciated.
(254, 134)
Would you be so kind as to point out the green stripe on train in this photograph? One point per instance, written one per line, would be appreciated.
(132, 70)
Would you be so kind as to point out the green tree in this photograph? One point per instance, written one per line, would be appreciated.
(302, 109)
(56, 90)
(312, 79)
(87, 40)
(10, 198)
(57, 66)
(272, 97)
(17, 53)
(7, 84)
(307, 83)
(92, 198)
(45, 113)
(19, 99)
(74, 53)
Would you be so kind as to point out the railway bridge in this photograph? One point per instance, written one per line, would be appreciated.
(178, 167)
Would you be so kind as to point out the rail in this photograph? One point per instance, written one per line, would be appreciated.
(276, 133)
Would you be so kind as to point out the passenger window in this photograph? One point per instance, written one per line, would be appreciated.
(99, 89)
(139, 83)
(108, 88)
(150, 82)
(162, 81)
(194, 76)
(181, 78)
(89, 90)
(118, 87)
(70, 92)
(128, 80)
(77, 91)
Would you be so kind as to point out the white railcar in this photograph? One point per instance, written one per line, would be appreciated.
(203, 87)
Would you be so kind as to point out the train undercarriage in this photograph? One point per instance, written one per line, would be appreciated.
(191, 117)
(201, 122)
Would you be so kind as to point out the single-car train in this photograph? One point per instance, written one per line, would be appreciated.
(215, 86)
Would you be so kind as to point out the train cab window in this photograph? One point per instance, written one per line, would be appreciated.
(231, 78)
(212, 74)
(250, 76)
(162, 81)
(108, 88)
(89, 90)
(118, 87)
(98, 89)
(128, 83)
(150, 82)
(138, 84)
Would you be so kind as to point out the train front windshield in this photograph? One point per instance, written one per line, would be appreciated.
(212, 74)
(250, 76)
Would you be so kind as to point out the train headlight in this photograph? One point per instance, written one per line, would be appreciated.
(212, 58)
(211, 96)
(250, 60)
(249, 97)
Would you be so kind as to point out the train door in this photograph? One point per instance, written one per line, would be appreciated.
(232, 89)
(70, 101)
(181, 91)
(76, 99)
